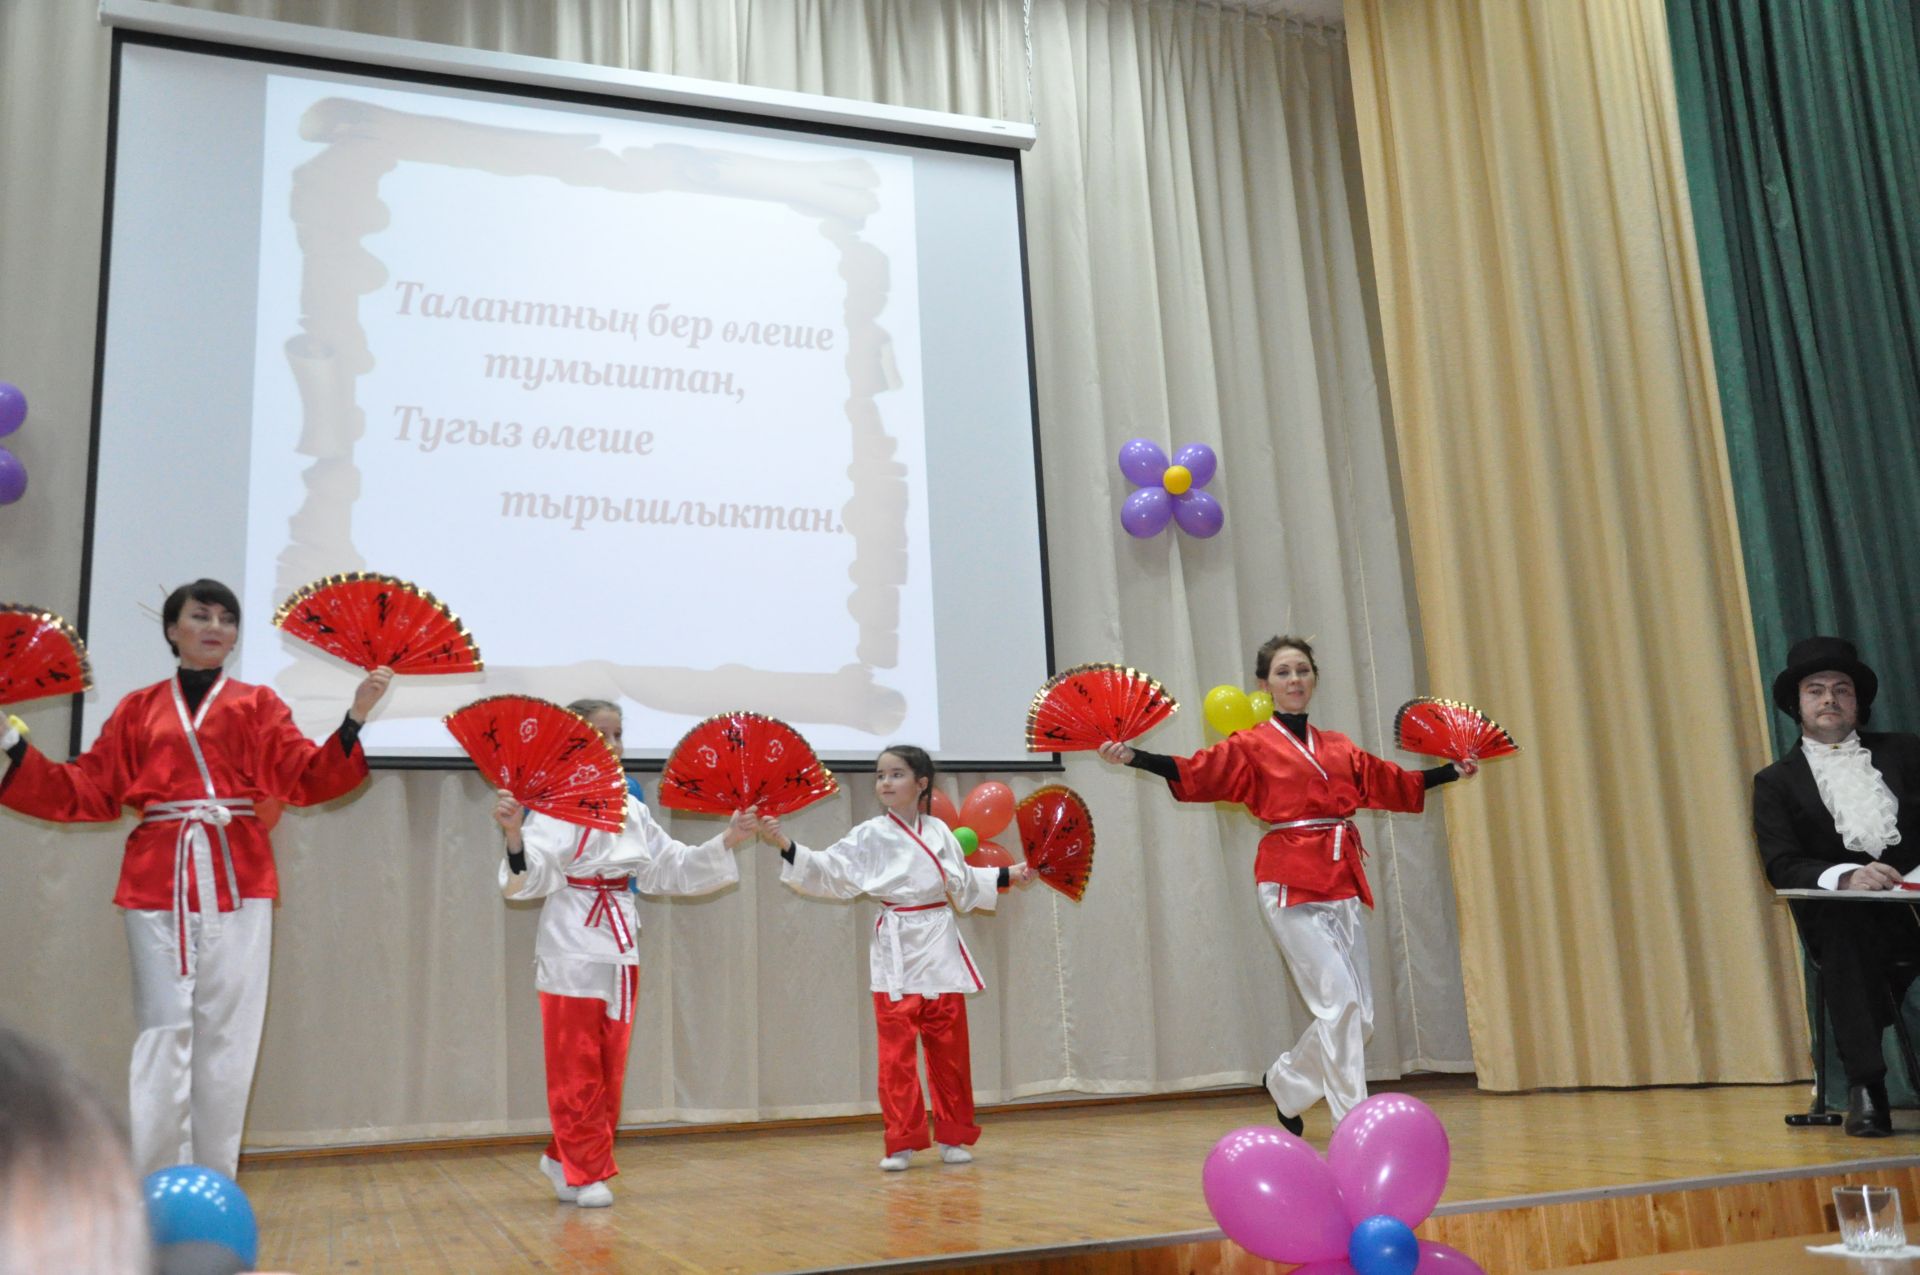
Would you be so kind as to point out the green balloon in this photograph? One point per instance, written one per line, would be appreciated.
(969, 840)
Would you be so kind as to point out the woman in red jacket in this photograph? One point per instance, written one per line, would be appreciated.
(197, 756)
(1306, 783)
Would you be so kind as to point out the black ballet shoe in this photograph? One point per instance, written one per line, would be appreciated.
(1295, 1125)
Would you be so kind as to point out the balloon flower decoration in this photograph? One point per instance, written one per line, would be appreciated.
(985, 814)
(1229, 709)
(13, 413)
(1169, 491)
(200, 1218)
(1352, 1213)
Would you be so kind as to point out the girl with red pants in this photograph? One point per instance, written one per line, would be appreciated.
(586, 964)
(921, 970)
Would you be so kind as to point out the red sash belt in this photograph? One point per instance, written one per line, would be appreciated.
(606, 906)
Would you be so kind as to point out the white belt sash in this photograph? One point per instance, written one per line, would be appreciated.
(193, 845)
(1339, 827)
(887, 928)
(194, 848)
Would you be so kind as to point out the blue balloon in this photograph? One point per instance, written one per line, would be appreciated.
(189, 1203)
(1383, 1245)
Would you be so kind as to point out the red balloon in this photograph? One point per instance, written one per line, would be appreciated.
(268, 812)
(943, 809)
(991, 854)
(988, 809)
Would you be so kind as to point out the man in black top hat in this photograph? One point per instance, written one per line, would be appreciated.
(1841, 811)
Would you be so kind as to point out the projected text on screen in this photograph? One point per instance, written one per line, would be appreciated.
(614, 368)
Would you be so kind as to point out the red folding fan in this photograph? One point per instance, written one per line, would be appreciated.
(370, 620)
(40, 655)
(735, 760)
(550, 759)
(1095, 704)
(1056, 831)
(1447, 728)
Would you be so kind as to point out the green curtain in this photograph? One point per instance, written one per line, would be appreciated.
(1801, 124)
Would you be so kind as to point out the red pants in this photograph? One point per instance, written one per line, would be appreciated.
(586, 1069)
(941, 1022)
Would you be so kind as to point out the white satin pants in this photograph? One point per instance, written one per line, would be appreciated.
(199, 1034)
(1326, 952)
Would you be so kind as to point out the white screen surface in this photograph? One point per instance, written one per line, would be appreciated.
(688, 414)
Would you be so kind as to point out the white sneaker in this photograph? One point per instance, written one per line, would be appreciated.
(558, 1176)
(594, 1195)
(897, 1161)
(955, 1155)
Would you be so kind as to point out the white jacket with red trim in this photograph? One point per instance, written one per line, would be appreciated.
(921, 877)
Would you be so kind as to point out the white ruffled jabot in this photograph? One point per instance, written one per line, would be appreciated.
(1863, 807)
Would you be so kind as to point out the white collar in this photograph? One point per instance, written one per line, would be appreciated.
(1814, 748)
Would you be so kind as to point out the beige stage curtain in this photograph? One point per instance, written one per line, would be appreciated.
(1198, 269)
(1573, 532)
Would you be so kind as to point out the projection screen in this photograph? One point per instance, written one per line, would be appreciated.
(693, 412)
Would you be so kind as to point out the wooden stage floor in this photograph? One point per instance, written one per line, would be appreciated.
(812, 1198)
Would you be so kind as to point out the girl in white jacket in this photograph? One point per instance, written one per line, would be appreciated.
(586, 963)
(921, 970)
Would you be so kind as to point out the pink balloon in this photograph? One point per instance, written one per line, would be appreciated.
(1390, 1155)
(1271, 1193)
(988, 809)
(942, 809)
(1443, 1259)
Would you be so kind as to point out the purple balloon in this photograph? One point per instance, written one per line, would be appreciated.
(1142, 461)
(1390, 1155)
(13, 408)
(1443, 1259)
(1146, 511)
(13, 477)
(1198, 513)
(1199, 460)
(1271, 1193)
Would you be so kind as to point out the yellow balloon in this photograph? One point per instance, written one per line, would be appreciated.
(1262, 705)
(1227, 709)
(1177, 479)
